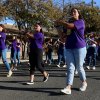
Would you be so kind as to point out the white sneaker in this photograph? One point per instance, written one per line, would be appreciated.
(9, 73)
(46, 62)
(49, 64)
(66, 91)
(15, 65)
(83, 88)
(14, 69)
(93, 68)
(64, 66)
(88, 67)
(58, 66)
(66, 74)
(76, 72)
(30, 83)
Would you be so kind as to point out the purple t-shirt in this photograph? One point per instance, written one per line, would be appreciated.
(76, 38)
(13, 45)
(37, 42)
(2, 41)
(18, 48)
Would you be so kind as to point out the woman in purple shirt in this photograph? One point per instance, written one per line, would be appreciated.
(36, 53)
(75, 50)
(3, 49)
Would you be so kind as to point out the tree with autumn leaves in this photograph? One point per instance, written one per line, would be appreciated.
(27, 12)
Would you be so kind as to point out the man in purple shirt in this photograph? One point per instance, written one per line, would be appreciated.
(75, 50)
(3, 49)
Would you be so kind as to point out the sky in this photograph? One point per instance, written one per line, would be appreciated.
(8, 21)
(86, 1)
(57, 1)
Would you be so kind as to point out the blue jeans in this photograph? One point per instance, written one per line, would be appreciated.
(13, 57)
(18, 56)
(75, 59)
(61, 57)
(50, 57)
(46, 56)
(91, 55)
(4, 59)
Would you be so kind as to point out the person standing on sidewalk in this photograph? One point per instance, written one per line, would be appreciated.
(36, 53)
(3, 49)
(75, 50)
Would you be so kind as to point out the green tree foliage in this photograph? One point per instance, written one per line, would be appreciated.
(3, 11)
(28, 12)
(91, 16)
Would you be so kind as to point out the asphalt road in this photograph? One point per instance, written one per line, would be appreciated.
(14, 88)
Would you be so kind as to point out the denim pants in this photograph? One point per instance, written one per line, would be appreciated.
(61, 57)
(13, 57)
(4, 59)
(75, 59)
(50, 57)
(91, 55)
(46, 56)
(18, 56)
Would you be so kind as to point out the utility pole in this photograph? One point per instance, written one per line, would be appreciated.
(92, 2)
(63, 5)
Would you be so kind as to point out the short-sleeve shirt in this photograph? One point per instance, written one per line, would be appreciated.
(18, 48)
(2, 41)
(13, 45)
(76, 39)
(37, 42)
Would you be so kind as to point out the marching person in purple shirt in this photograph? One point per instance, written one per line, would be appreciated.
(3, 49)
(36, 53)
(75, 50)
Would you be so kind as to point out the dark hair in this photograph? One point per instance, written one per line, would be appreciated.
(80, 16)
(41, 30)
(4, 30)
(38, 23)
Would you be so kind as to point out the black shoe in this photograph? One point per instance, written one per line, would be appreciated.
(46, 78)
